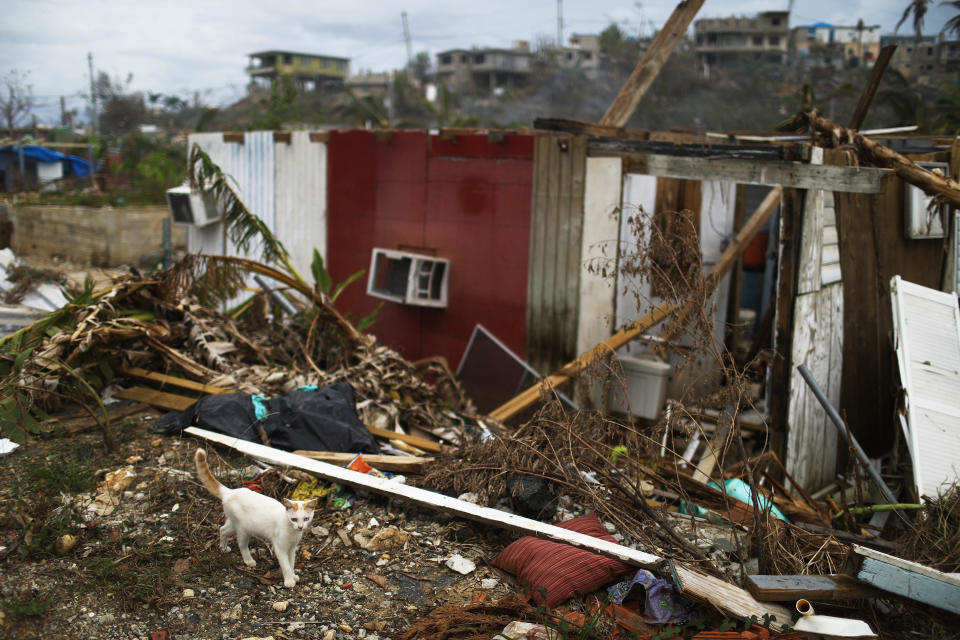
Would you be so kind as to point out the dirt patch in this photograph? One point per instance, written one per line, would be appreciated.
(151, 563)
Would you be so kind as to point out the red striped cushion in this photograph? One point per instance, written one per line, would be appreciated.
(558, 569)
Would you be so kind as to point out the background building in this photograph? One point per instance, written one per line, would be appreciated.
(309, 71)
(763, 37)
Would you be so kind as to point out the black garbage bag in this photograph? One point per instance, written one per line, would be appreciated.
(531, 496)
(317, 419)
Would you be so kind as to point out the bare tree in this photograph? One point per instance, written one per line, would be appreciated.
(16, 99)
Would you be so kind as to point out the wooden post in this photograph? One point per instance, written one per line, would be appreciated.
(649, 66)
(866, 96)
(791, 218)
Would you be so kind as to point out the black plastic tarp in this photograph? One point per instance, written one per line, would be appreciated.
(317, 419)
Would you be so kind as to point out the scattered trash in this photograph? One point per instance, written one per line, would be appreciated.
(829, 626)
(661, 604)
(7, 446)
(460, 564)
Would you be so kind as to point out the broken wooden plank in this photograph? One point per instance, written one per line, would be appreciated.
(183, 383)
(792, 588)
(161, 399)
(728, 598)
(420, 443)
(650, 64)
(870, 89)
(530, 395)
(82, 423)
(399, 464)
(782, 173)
(944, 188)
(908, 579)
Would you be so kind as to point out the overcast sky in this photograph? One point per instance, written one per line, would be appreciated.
(185, 46)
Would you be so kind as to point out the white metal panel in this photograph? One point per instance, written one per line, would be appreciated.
(811, 235)
(601, 220)
(301, 199)
(717, 204)
(926, 327)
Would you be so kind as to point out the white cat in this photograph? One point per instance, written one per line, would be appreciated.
(254, 515)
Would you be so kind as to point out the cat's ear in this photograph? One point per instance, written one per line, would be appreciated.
(288, 504)
(310, 504)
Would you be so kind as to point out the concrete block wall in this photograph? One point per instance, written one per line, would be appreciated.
(99, 237)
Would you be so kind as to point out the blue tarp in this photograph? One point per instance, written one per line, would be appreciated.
(72, 165)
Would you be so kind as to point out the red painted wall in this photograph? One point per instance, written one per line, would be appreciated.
(467, 198)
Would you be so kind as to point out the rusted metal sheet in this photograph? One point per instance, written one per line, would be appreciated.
(555, 244)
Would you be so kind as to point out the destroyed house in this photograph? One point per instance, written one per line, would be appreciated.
(500, 228)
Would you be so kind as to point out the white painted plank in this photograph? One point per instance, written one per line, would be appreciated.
(787, 174)
(699, 586)
(808, 270)
(909, 579)
(601, 220)
(811, 235)
(926, 325)
(817, 343)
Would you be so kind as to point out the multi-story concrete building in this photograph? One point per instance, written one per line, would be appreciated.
(583, 53)
(486, 69)
(308, 70)
(916, 61)
(763, 37)
(832, 45)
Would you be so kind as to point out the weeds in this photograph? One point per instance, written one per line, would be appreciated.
(27, 606)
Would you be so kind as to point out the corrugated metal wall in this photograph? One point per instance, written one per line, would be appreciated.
(556, 229)
(301, 198)
(251, 165)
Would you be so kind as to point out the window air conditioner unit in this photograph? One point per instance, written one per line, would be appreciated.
(408, 278)
(190, 208)
(920, 219)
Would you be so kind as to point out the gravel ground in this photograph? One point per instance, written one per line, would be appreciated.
(145, 559)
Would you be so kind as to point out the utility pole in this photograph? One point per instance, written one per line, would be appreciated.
(93, 95)
(63, 112)
(559, 24)
(406, 37)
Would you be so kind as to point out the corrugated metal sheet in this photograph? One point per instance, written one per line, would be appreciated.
(301, 198)
(926, 328)
(251, 166)
(556, 225)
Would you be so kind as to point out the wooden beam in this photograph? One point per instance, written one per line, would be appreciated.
(768, 172)
(727, 598)
(793, 588)
(581, 128)
(174, 381)
(943, 188)
(161, 399)
(908, 579)
(649, 66)
(399, 464)
(607, 347)
(870, 89)
(420, 443)
(233, 136)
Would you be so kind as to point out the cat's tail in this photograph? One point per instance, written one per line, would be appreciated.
(203, 471)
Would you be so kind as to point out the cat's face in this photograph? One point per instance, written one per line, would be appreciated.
(300, 512)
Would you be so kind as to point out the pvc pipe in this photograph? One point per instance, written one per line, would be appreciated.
(849, 439)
